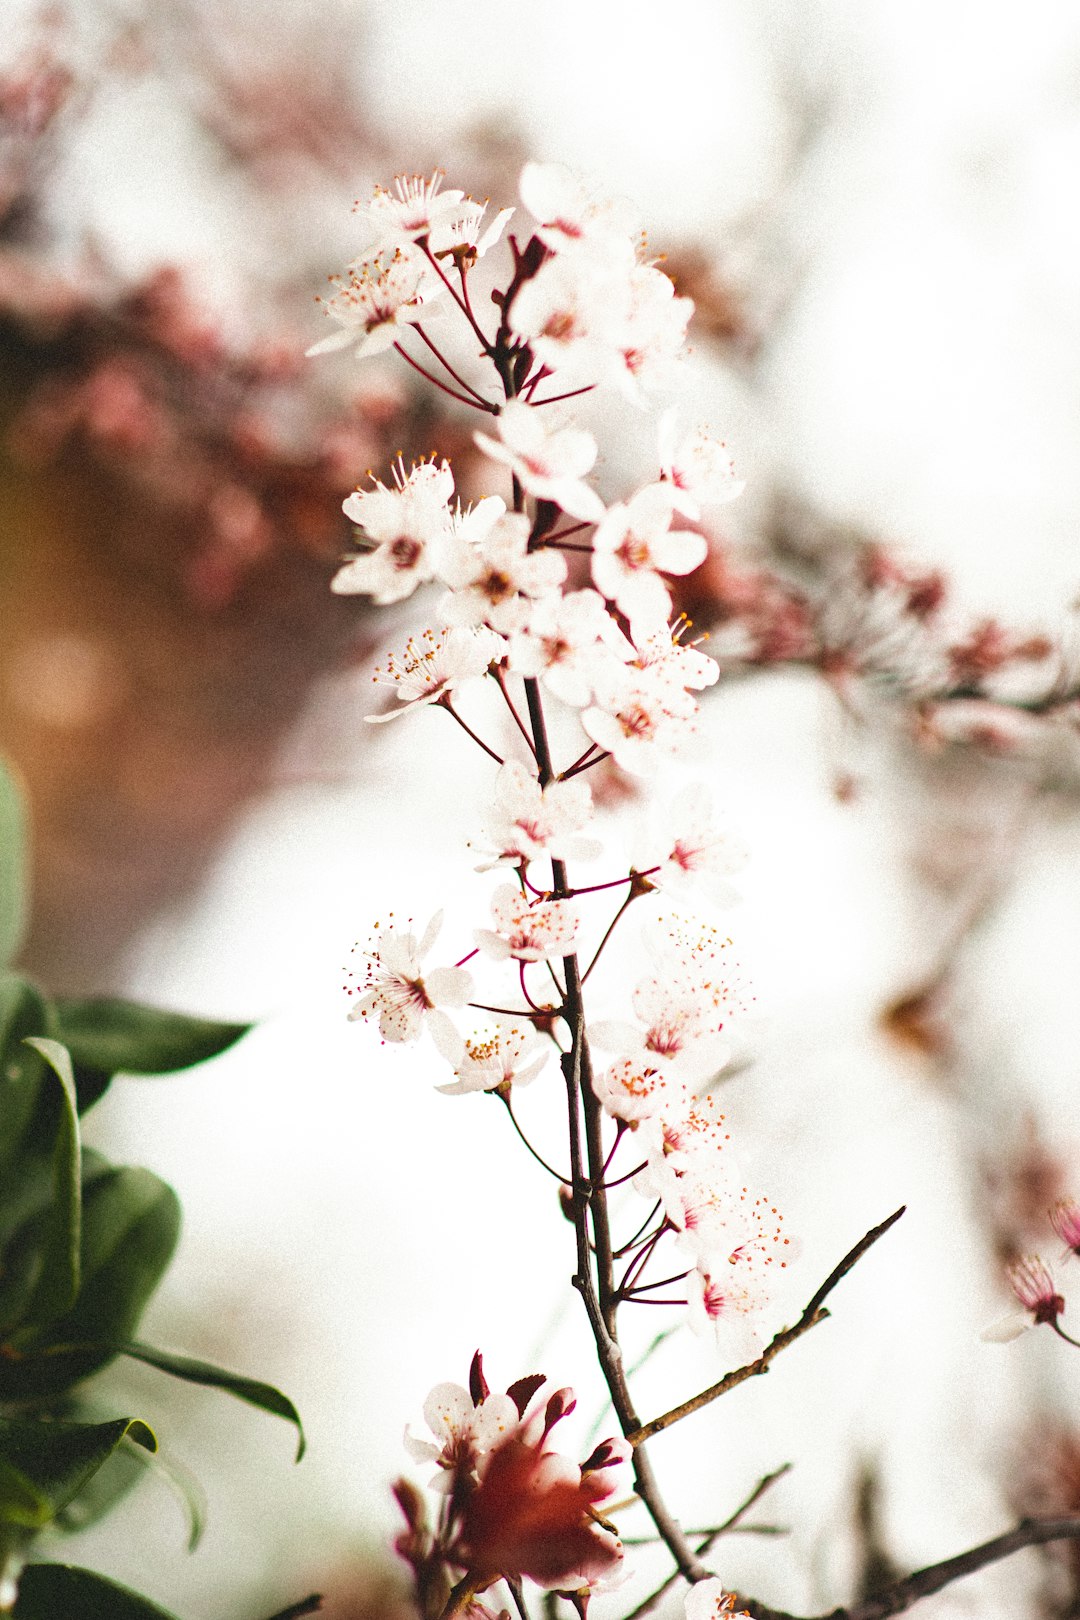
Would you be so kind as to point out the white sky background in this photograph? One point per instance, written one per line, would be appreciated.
(925, 383)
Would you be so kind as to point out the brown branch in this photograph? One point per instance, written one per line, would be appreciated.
(590, 1203)
(647, 1605)
(811, 1316)
(900, 1596)
(308, 1605)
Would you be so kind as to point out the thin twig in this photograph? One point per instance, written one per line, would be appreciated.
(900, 1595)
(308, 1605)
(566, 1181)
(463, 399)
(444, 703)
(811, 1316)
(710, 1537)
(443, 361)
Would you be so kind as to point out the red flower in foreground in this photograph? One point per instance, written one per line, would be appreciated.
(534, 1513)
(516, 1506)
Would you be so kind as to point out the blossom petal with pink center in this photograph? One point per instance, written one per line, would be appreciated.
(530, 931)
(550, 463)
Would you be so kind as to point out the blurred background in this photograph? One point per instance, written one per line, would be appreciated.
(875, 208)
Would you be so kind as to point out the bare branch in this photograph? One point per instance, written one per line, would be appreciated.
(811, 1316)
(649, 1604)
(900, 1596)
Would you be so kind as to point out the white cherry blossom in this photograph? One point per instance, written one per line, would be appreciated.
(550, 463)
(635, 1089)
(530, 931)
(433, 664)
(572, 219)
(526, 820)
(634, 543)
(709, 1601)
(675, 666)
(637, 721)
(464, 1433)
(407, 527)
(399, 995)
(569, 642)
(649, 346)
(411, 211)
(683, 1005)
(493, 580)
(698, 467)
(506, 1053)
(570, 313)
(686, 848)
(382, 293)
(458, 235)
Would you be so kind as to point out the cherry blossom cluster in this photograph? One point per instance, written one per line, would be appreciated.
(511, 1505)
(553, 617)
(1032, 1281)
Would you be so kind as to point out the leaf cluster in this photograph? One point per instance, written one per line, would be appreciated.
(84, 1244)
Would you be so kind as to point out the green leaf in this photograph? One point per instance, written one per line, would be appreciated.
(57, 1285)
(57, 1459)
(130, 1224)
(23, 1011)
(52, 1591)
(184, 1486)
(264, 1396)
(109, 1036)
(20, 1503)
(13, 881)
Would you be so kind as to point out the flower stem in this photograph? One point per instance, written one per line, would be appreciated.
(445, 703)
(463, 399)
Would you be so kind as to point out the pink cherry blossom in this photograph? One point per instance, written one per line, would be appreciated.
(534, 1511)
(381, 294)
(1065, 1220)
(1031, 1282)
(530, 931)
(550, 463)
(400, 995)
(435, 663)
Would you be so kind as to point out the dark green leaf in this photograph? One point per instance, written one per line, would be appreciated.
(13, 878)
(264, 1396)
(20, 1502)
(57, 1459)
(130, 1223)
(62, 1592)
(110, 1036)
(101, 1493)
(57, 1285)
